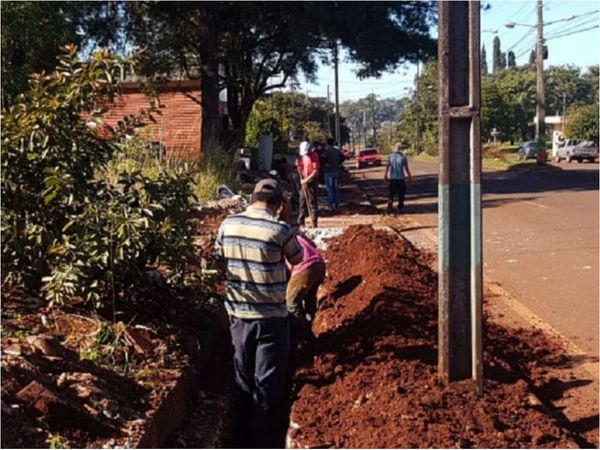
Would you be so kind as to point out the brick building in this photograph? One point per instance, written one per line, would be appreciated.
(177, 131)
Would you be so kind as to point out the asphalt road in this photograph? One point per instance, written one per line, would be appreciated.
(540, 233)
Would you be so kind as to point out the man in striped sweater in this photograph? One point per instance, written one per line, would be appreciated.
(255, 245)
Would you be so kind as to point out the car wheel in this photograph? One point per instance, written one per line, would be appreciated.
(556, 159)
(569, 159)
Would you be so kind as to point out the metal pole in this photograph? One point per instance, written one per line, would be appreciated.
(540, 127)
(459, 219)
(337, 95)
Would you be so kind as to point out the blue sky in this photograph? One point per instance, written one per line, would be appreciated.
(580, 49)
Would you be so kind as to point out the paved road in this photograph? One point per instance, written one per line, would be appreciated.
(540, 234)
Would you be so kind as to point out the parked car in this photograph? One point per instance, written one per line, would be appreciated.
(577, 150)
(528, 150)
(367, 157)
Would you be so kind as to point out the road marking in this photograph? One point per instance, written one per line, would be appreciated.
(539, 205)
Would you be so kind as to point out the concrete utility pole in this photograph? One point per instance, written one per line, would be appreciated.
(459, 219)
(328, 115)
(540, 109)
(417, 114)
(374, 126)
(563, 111)
(337, 95)
(365, 128)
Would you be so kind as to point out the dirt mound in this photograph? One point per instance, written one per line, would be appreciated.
(369, 379)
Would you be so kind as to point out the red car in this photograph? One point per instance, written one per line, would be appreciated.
(367, 157)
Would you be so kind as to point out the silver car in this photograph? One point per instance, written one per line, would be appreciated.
(577, 151)
(565, 149)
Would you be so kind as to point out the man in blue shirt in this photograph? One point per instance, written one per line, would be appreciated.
(394, 174)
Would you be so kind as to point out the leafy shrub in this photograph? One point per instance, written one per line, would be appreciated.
(67, 229)
(582, 123)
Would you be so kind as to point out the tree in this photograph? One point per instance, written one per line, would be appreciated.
(497, 56)
(285, 115)
(502, 61)
(582, 122)
(259, 46)
(532, 58)
(511, 60)
(33, 33)
(484, 66)
(425, 102)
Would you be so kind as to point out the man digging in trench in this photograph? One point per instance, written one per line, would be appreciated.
(254, 244)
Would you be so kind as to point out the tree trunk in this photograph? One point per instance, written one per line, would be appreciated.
(209, 85)
(239, 110)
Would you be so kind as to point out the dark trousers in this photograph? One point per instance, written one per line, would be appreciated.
(261, 353)
(331, 184)
(397, 188)
(310, 190)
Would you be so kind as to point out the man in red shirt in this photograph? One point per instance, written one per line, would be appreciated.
(308, 169)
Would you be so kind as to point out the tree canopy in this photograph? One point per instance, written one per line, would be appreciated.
(251, 48)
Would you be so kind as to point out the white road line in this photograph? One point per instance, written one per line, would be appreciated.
(539, 205)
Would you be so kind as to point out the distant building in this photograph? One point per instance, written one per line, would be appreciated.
(177, 131)
(553, 123)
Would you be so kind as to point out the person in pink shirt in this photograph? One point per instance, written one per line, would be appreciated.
(305, 279)
(307, 165)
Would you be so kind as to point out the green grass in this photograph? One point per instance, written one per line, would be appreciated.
(497, 160)
(217, 166)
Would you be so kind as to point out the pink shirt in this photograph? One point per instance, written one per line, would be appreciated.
(308, 164)
(310, 255)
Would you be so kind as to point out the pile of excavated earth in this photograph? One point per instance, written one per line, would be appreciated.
(369, 377)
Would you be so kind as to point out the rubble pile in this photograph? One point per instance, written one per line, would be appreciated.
(369, 378)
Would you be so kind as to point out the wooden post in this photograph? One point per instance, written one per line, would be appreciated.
(459, 219)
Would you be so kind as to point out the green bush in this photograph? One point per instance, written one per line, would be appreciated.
(582, 123)
(67, 229)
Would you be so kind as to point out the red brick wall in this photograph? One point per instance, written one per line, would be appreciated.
(178, 128)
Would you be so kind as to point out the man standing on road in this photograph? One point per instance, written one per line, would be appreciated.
(308, 169)
(394, 174)
(333, 160)
(254, 244)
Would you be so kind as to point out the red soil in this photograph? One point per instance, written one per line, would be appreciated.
(369, 378)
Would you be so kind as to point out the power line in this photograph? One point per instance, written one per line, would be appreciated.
(574, 32)
(573, 27)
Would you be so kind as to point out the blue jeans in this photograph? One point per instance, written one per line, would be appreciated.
(331, 184)
(261, 353)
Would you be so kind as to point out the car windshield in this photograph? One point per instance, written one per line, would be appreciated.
(586, 144)
(368, 152)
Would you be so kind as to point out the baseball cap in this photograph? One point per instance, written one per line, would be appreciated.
(304, 147)
(268, 186)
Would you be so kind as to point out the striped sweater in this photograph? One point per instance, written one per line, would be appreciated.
(254, 244)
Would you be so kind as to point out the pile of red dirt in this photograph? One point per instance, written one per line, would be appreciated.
(369, 378)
